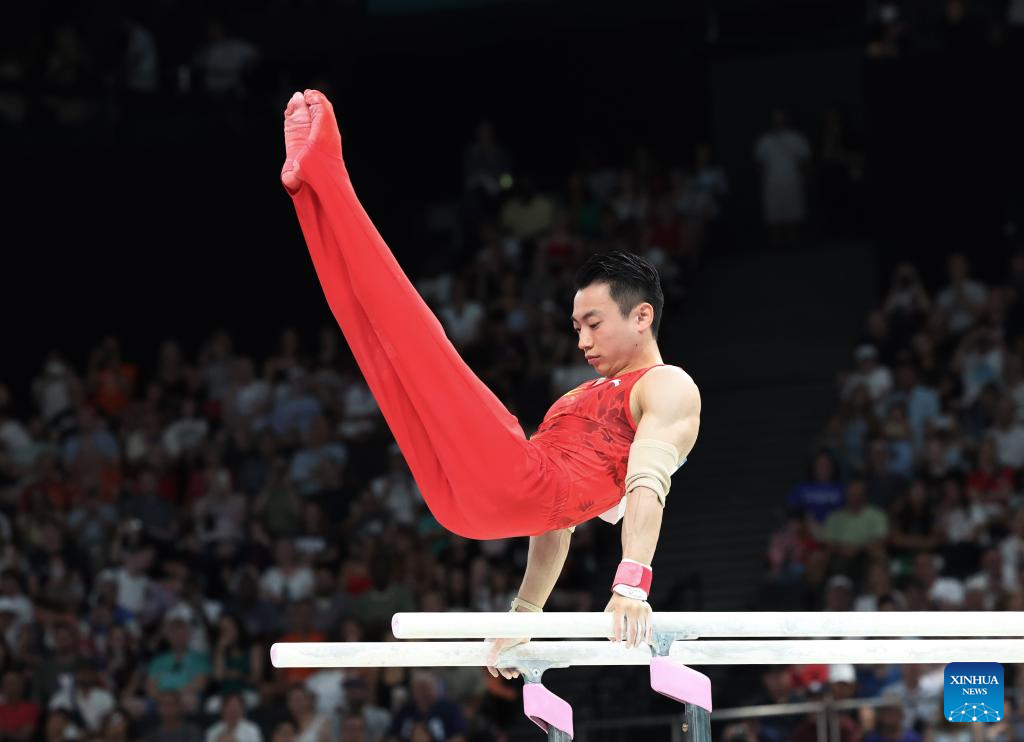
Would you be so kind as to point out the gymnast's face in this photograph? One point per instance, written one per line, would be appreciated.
(608, 340)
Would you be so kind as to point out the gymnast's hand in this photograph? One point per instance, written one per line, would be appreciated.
(308, 122)
(632, 622)
(499, 646)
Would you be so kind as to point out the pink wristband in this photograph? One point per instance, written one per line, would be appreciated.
(632, 574)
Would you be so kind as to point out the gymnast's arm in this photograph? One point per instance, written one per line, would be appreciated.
(544, 562)
(670, 406)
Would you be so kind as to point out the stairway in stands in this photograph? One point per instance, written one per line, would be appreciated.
(763, 335)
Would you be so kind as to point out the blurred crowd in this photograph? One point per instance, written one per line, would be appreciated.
(914, 499)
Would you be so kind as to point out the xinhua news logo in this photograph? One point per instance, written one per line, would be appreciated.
(973, 691)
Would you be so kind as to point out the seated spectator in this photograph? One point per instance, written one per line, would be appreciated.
(426, 712)
(386, 597)
(839, 593)
(823, 494)
(979, 361)
(991, 484)
(945, 593)
(964, 298)
(179, 669)
(186, 434)
(857, 531)
(869, 373)
(879, 586)
(889, 726)
(857, 422)
(172, 727)
(883, 485)
(237, 662)
(301, 629)
(318, 450)
(309, 725)
(993, 582)
(921, 688)
(85, 699)
(462, 317)
(19, 716)
(1008, 435)
(914, 525)
(790, 547)
(233, 726)
(375, 720)
(288, 579)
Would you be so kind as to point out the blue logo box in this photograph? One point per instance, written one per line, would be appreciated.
(973, 691)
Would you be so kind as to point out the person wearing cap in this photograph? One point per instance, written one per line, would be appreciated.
(179, 669)
(839, 593)
(889, 722)
(869, 373)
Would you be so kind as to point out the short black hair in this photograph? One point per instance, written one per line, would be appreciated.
(631, 280)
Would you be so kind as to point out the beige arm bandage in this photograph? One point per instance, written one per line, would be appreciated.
(651, 464)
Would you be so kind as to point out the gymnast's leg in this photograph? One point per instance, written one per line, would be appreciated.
(478, 473)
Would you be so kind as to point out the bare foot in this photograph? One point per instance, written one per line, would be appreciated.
(308, 121)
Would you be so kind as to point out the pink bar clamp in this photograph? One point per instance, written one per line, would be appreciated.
(545, 709)
(680, 683)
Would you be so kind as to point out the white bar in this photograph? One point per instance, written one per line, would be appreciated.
(691, 653)
(450, 654)
(853, 651)
(708, 624)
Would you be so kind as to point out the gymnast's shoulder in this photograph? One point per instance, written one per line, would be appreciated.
(668, 380)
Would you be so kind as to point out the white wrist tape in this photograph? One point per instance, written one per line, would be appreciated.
(651, 464)
(526, 605)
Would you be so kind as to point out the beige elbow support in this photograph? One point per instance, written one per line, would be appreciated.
(651, 464)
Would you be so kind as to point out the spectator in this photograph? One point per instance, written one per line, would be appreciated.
(18, 715)
(375, 720)
(791, 546)
(527, 213)
(288, 579)
(233, 726)
(823, 494)
(462, 317)
(964, 298)
(427, 712)
(225, 60)
(979, 361)
(876, 378)
(914, 524)
(1008, 435)
(184, 672)
(857, 531)
(319, 451)
(945, 593)
(85, 699)
(173, 727)
(237, 662)
(309, 725)
(783, 155)
(889, 725)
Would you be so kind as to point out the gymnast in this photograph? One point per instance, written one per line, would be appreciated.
(607, 448)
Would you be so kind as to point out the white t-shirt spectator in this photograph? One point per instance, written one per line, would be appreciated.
(978, 370)
(252, 398)
(947, 591)
(185, 435)
(245, 731)
(295, 586)
(93, 704)
(878, 382)
(305, 462)
(959, 318)
(1009, 445)
(462, 325)
(781, 153)
(361, 410)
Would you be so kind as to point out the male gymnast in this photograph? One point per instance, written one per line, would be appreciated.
(607, 448)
